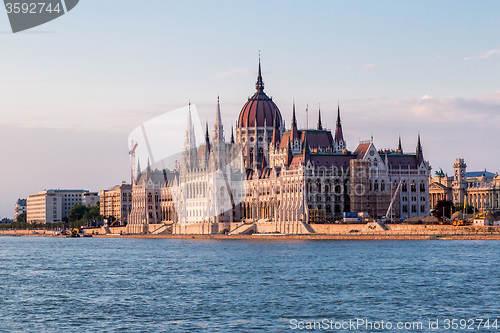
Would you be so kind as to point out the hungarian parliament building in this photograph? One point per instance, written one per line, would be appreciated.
(269, 178)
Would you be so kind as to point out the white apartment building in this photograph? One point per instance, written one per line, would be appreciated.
(51, 206)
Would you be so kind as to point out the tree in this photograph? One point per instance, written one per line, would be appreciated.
(443, 206)
(21, 217)
(92, 214)
(77, 212)
(460, 208)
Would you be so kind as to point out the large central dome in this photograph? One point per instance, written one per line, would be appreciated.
(259, 109)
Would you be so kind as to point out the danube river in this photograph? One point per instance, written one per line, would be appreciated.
(170, 285)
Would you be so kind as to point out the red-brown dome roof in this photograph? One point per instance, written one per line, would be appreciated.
(259, 108)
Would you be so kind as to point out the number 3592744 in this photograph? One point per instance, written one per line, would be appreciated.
(31, 7)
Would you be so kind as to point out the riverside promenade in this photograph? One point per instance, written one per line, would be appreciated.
(321, 232)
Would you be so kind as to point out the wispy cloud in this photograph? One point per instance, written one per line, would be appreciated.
(235, 72)
(453, 109)
(485, 55)
(368, 67)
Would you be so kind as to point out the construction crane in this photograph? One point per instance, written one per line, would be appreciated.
(386, 217)
(131, 152)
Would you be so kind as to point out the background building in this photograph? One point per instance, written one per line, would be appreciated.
(479, 189)
(116, 202)
(20, 208)
(51, 206)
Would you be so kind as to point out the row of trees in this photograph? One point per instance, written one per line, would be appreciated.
(447, 208)
(78, 216)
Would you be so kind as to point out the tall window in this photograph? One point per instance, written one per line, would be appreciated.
(422, 186)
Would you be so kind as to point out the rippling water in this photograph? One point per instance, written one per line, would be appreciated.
(151, 285)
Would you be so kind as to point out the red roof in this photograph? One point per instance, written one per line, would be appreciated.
(324, 160)
(362, 149)
(261, 109)
(315, 139)
(403, 160)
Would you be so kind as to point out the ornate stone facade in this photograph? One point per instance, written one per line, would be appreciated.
(284, 178)
(480, 189)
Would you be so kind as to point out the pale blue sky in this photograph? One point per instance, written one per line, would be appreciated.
(72, 89)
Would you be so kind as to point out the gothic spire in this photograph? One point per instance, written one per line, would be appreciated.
(305, 149)
(294, 133)
(207, 139)
(400, 147)
(138, 170)
(218, 129)
(320, 126)
(339, 141)
(190, 141)
(189, 155)
(232, 136)
(420, 154)
(339, 135)
(259, 86)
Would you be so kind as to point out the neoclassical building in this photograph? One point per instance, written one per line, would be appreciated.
(285, 178)
(479, 189)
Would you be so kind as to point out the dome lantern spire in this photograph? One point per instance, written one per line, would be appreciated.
(259, 86)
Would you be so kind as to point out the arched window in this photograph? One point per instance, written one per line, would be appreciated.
(422, 186)
(404, 186)
(382, 186)
(376, 185)
(413, 187)
(251, 156)
(260, 156)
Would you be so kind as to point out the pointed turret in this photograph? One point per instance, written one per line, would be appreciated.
(339, 135)
(218, 130)
(400, 146)
(190, 140)
(420, 154)
(339, 141)
(320, 126)
(232, 135)
(189, 155)
(306, 151)
(138, 171)
(207, 139)
(294, 135)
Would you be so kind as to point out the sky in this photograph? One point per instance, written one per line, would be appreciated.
(73, 89)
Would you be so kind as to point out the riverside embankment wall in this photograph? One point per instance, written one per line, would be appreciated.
(402, 229)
